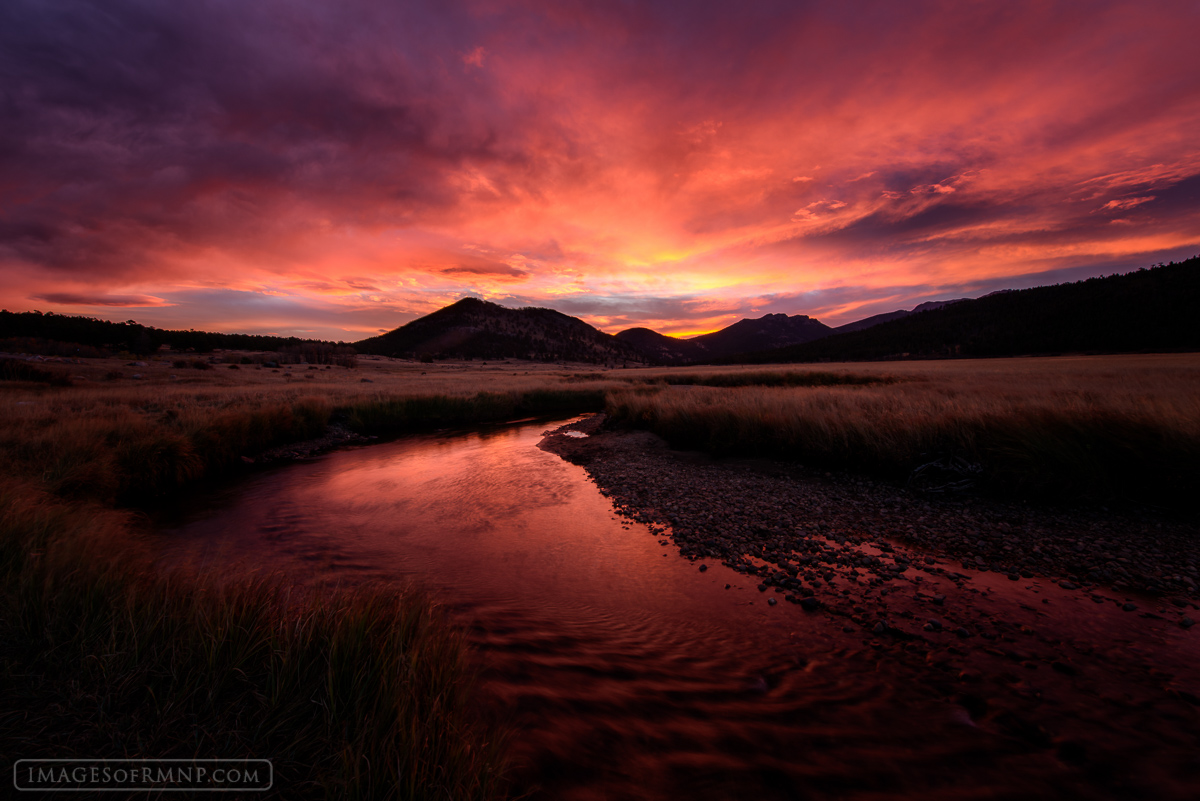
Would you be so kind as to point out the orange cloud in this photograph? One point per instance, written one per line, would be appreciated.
(647, 165)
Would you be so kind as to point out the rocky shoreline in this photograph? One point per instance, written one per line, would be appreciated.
(1065, 636)
(770, 518)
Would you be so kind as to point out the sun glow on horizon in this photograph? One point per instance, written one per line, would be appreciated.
(800, 160)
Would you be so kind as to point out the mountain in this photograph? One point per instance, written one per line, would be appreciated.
(662, 348)
(1150, 310)
(768, 331)
(887, 317)
(867, 322)
(477, 329)
(752, 335)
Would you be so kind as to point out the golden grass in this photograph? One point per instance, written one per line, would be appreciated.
(354, 694)
(127, 439)
(1101, 426)
(366, 694)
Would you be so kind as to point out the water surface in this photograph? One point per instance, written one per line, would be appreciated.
(627, 671)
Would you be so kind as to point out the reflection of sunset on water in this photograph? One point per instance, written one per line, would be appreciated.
(629, 671)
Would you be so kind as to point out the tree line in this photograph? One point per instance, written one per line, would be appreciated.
(1148, 310)
(68, 335)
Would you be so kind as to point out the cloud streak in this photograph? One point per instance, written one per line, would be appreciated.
(124, 301)
(372, 159)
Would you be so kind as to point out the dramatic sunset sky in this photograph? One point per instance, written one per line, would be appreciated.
(337, 168)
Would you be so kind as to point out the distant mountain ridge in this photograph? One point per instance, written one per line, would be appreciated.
(752, 335)
(768, 331)
(478, 329)
(887, 317)
(661, 348)
(1149, 310)
(1152, 309)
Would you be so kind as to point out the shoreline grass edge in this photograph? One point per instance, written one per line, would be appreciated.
(355, 693)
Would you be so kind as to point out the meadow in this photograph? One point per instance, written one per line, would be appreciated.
(362, 693)
(367, 692)
(1063, 428)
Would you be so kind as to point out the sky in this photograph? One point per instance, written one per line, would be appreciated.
(336, 169)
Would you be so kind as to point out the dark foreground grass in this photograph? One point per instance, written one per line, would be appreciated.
(360, 693)
(767, 378)
(17, 370)
(355, 693)
(401, 414)
(125, 454)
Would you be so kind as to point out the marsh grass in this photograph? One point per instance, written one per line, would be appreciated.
(400, 414)
(766, 378)
(365, 693)
(14, 370)
(126, 451)
(353, 693)
(361, 693)
(1072, 428)
(127, 443)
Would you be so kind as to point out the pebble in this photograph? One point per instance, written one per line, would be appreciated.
(771, 601)
(784, 529)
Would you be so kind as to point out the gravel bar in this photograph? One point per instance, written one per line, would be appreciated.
(808, 531)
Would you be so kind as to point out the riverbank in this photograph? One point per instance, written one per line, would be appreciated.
(984, 604)
(1147, 553)
(352, 693)
(1096, 429)
(872, 562)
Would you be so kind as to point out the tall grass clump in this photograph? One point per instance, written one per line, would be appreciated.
(122, 452)
(393, 414)
(362, 693)
(1135, 436)
(17, 370)
(767, 378)
(352, 693)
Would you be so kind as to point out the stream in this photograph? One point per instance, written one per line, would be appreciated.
(627, 672)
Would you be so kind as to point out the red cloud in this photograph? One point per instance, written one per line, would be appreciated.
(72, 299)
(698, 155)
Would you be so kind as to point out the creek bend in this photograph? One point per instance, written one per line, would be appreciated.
(627, 672)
